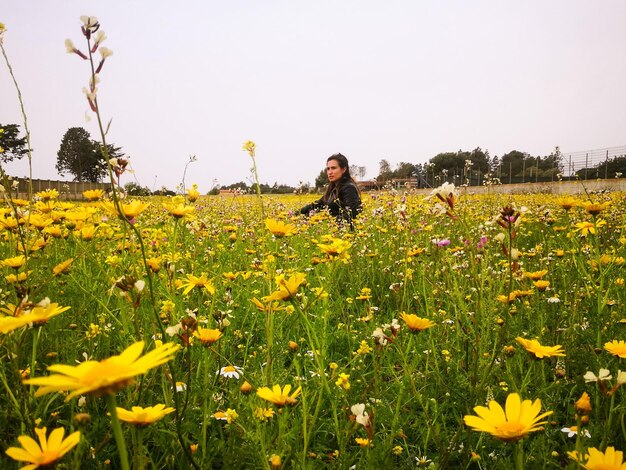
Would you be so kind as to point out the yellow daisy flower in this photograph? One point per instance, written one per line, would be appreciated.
(617, 348)
(280, 228)
(129, 211)
(415, 323)
(143, 416)
(194, 281)
(207, 336)
(514, 422)
(287, 288)
(15, 262)
(106, 376)
(93, 194)
(47, 451)
(610, 459)
(279, 397)
(536, 349)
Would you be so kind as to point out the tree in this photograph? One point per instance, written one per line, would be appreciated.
(82, 157)
(321, 180)
(14, 146)
(404, 171)
(384, 173)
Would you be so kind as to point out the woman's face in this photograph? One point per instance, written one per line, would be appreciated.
(334, 171)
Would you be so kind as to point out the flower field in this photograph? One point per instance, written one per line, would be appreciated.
(450, 331)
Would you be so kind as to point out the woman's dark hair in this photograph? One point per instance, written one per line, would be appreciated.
(346, 178)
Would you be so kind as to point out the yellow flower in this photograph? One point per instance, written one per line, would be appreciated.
(229, 415)
(16, 262)
(287, 288)
(129, 211)
(583, 404)
(415, 323)
(179, 211)
(617, 348)
(21, 277)
(366, 294)
(343, 381)
(336, 249)
(363, 442)
(154, 264)
(207, 336)
(249, 147)
(535, 348)
(595, 208)
(279, 397)
(275, 461)
(143, 416)
(37, 315)
(280, 228)
(364, 348)
(541, 285)
(106, 376)
(47, 451)
(193, 281)
(567, 202)
(193, 194)
(514, 422)
(48, 194)
(586, 228)
(63, 267)
(610, 459)
(263, 414)
(535, 276)
(93, 194)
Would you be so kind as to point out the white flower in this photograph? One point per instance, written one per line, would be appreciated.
(82, 401)
(69, 46)
(99, 37)
(573, 431)
(230, 372)
(89, 22)
(444, 191)
(621, 377)
(553, 300)
(181, 386)
(173, 330)
(380, 336)
(604, 374)
(362, 417)
(105, 52)
(139, 285)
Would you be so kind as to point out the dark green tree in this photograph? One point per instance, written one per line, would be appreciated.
(404, 170)
(513, 163)
(15, 147)
(448, 162)
(321, 180)
(82, 157)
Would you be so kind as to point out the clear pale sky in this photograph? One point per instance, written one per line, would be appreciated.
(400, 80)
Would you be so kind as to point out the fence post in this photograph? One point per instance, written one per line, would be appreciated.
(606, 165)
(586, 164)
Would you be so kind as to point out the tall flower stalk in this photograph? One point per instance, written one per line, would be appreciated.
(23, 109)
(250, 147)
(94, 37)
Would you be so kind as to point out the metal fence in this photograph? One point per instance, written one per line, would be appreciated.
(586, 164)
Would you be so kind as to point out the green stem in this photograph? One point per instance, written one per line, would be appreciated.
(117, 432)
(518, 456)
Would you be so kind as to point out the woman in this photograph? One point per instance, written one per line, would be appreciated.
(342, 197)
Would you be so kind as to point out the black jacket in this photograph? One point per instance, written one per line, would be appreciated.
(344, 204)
